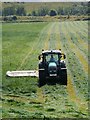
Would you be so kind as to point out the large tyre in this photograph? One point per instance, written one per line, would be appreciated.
(42, 76)
(64, 76)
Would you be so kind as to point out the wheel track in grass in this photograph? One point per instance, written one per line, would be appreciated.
(72, 92)
(32, 49)
(52, 38)
(33, 56)
(57, 35)
(76, 50)
(47, 42)
(26, 57)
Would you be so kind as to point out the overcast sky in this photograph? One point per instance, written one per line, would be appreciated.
(44, 0)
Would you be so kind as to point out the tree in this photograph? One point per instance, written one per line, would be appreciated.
(43, 11)
(29, 14)
(59, 9)
(21, 11)
(52, 12)
(8, 11)
(34, 13)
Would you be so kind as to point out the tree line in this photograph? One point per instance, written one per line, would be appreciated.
(81, 9)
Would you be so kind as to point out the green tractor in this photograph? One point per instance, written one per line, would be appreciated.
(52, 67)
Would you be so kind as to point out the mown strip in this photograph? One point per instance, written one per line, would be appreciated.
(78, 33)
(79, 25)
(70, 88)
(77, 40)
(74, 65)
(72, 93)
(81, 105)
(77, 52)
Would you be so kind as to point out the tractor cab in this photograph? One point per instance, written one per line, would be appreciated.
(50, 64)
(53, 55)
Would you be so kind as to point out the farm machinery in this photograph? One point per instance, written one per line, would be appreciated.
(51, 67)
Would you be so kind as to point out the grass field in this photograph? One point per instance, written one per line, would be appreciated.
(21, 45)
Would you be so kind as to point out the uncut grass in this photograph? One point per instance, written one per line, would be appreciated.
(21, 42)
(15, 52)
(33, 58)
(12, 56)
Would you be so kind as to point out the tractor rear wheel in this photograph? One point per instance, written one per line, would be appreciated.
(64, 77)
(42, 74)
(41, 78)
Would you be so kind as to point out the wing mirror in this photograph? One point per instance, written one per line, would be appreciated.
(64, 56)
(39, 57)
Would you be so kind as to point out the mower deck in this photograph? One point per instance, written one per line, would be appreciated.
(23, 73)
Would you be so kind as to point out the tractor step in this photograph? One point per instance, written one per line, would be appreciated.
(23, 73)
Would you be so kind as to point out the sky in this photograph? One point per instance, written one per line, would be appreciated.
(44, 0)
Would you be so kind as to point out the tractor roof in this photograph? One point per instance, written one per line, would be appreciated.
(51, 52)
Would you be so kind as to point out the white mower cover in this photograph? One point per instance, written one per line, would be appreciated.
(24, 73)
